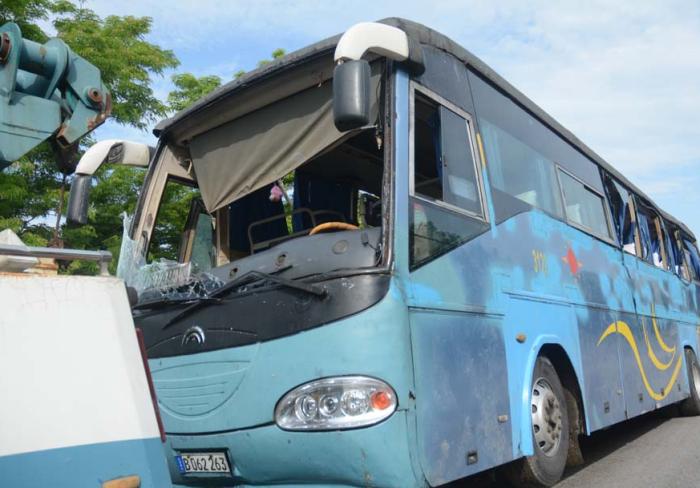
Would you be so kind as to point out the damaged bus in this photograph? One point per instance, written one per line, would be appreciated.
(396, 271)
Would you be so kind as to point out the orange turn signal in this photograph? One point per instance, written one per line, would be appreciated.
(381, 400)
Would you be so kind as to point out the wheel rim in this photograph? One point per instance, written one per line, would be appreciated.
(696, 377)
(546, 417)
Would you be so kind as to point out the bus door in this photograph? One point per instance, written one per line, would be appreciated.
(458, 347)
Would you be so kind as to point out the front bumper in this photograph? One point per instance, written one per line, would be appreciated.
(376, 456)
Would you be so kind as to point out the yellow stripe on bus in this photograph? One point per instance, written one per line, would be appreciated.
(624, 330)
(650, 352)
(481, 149)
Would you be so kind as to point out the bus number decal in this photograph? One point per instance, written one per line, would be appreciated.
(539, 261)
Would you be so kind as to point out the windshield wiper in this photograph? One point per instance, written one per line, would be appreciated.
(247, 279)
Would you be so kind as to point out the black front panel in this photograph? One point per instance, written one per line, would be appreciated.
(257, 315)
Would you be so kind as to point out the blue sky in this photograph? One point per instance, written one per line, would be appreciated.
(624, 76)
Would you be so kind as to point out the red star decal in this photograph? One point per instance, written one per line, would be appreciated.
(573, 262)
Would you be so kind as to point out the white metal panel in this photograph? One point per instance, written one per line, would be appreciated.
(70, 366)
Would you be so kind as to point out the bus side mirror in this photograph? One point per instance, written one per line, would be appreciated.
(78, 200)
(351, 95)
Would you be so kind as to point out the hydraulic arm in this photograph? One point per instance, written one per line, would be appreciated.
(47, 92)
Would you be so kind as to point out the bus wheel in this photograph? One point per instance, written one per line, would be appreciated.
(550, 429)
(691, 405)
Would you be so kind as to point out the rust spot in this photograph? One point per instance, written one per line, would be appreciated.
(5, 47)
(61, 136)
(102, 116)
(95, 95)
(521, 338)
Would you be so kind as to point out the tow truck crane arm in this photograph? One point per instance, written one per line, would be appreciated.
(47, 92)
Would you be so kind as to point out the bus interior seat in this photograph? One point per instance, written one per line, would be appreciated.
(250, 209)
(319, 194)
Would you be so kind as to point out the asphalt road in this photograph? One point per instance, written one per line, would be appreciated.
(658, 450)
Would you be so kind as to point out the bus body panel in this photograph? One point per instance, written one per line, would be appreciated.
(462, 402)
(549, 283)
(377, 456)
(374, 343)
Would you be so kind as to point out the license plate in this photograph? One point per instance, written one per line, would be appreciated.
(202, 462)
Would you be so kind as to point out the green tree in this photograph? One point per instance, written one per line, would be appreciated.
(28, 193)
(276, 54)
(30, 188)
(189, 88)
(127, 62)
(26, 13)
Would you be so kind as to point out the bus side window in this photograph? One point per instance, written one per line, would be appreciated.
(446, 205)
(650, 235)
(517, 171)
(673, 249)
(444, 168)
(584, 206)
(622, 214)
(692, 258)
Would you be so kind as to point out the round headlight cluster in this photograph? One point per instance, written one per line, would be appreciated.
(341, 402)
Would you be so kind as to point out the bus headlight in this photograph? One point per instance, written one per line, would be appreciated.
(341, 402)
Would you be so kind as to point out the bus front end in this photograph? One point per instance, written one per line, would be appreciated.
(274, 321)
(330, 405)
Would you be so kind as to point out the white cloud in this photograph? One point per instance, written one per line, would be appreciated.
(623, 76)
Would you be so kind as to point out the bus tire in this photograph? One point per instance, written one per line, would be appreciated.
(691, 405)
(550, 430)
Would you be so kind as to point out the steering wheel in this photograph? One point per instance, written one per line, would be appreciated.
(332, 227)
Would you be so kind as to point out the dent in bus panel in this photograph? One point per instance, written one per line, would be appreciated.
(461, 393)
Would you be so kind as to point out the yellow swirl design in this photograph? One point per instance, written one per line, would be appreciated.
(623, 329)
(650, 351)
(658, 334)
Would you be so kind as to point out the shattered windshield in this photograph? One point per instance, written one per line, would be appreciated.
(278, 191)
(324, 216)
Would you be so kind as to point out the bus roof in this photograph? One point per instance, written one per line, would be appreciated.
(425, 36)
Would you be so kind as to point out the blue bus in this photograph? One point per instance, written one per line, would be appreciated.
(398, 271)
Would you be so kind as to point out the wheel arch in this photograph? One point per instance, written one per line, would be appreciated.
(556, 351)
(568, 377)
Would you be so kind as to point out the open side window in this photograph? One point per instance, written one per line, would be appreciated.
(623, 216)
(651, 235)
(446, 196)
(692, 258)
(444, 168)
(674, 248)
